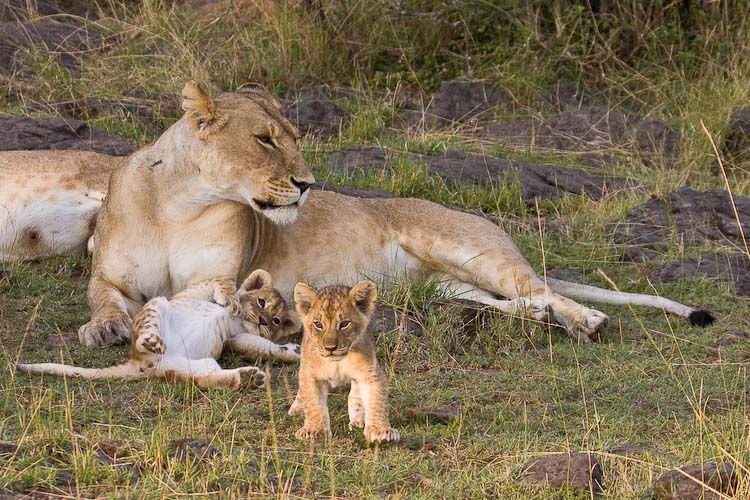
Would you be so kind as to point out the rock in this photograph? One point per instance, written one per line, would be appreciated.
(463, 100)
(581, 471)
(737, 143)
(536, 181)
(319, 117)
(58, 133)
(567, 275)
(686, 216)
(353, 192)
(604, 130)
(733, 268)
(626, 449)
(676, 485)
(565, 95)
(111, 452)
(68, 38)
(188, 449)
(386, 319)
(438, 414)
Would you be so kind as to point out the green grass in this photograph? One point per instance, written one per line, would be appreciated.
(524, 389)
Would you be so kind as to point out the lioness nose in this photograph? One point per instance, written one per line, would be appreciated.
(301, 185)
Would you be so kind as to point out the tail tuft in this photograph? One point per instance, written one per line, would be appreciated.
(700, 317)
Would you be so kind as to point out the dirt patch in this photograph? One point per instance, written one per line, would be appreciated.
(458, 167)
(440, 414)
(191, 449)
(580, 471)
(687, 483)
(684, 217)
(58, 133)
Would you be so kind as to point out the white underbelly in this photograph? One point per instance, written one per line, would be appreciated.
(197, 330)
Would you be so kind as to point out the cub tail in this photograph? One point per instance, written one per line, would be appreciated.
(128, 370)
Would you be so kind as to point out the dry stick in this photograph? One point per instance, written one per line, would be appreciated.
(726, 184)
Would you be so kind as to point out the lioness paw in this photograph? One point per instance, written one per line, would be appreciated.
(251, 378)
(105, 331)
(311, 432)
(377, 434)
(150, 342)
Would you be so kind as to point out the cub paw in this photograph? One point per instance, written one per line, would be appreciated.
(290, 352)
(377, 434)
(251, 378)
(311, 432)
(229, 300)
(150, 342)
(357, 421)
(105, 331)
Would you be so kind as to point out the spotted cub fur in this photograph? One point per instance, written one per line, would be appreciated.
(180, 339)
(337, 348)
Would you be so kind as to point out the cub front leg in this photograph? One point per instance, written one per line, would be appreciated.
(314, 396)
(147, 327)
(110, 321)
(374, 394)
(256, 347)
(355, 407)
(222, 291)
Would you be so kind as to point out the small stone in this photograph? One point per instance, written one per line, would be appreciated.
(56, 340)
(111, 452)
(441, 414)
(580, 471)
(687, 483)
(625, 449)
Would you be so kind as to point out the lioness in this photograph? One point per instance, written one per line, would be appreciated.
(225, 190)
(180, 339)
(337, 348)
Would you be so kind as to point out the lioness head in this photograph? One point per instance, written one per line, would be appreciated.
(337, 316)
(248, 151)
(263, 305)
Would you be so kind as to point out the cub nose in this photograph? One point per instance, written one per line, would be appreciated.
(262, 321)
(301, 185)
(330, 347)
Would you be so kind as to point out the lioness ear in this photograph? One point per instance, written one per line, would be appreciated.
(303, 298)
(200, 110)
(258, 279)
(363, 294)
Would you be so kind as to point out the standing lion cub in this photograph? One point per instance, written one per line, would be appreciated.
(181, 338)
(336, 349)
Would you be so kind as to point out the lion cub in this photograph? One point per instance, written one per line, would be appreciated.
(337, 349)
(180, 339)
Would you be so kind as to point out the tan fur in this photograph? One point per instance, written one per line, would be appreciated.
(182, 338)
(224, 191)
(337, 349)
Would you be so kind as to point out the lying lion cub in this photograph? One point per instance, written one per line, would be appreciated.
(180, 339)
(336, 349)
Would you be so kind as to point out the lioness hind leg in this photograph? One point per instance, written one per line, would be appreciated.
(473, 250)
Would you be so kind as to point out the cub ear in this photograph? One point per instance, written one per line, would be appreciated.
(200, 110)
(304, 296)
(258, 279)
(363, 294)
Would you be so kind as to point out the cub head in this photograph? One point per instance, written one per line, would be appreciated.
(246, 151)
(337, 316)
(263, 305)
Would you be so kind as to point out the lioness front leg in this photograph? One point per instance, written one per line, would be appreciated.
(374, 394)
(314, 397)
(110, 321)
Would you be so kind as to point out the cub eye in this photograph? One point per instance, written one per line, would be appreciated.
(276, 321)
(318, 325)
(261, 303)
(344, 324)
(265, 139)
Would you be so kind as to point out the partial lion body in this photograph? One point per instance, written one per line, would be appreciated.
(180, 339)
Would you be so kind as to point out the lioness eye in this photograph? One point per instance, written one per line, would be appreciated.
(318, 325)
(344, 324)
(261, 303)
(276, 321)
(265, 139)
